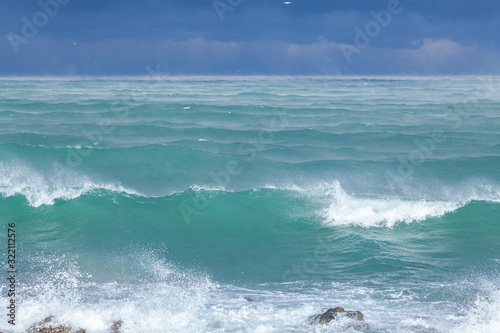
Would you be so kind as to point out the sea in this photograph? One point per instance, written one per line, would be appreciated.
(250, 204)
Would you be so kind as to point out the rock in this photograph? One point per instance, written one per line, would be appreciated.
(355, 315)
(116, 326)
(326, 317)
(335, 313)
(44, 327)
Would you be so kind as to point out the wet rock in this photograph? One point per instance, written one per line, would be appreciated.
(116, 326)
(327, 316)
(335, 314)
(355, 315)
(44, 326)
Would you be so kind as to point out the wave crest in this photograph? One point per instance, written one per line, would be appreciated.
(43, 188)
(345, 209)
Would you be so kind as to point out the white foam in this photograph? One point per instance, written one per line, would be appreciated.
(198, 188)
(44, 187)
(158, 296)
(484, 317)
(345, 209)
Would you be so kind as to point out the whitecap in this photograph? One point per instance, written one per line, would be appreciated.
(44, 187)
(345, 209)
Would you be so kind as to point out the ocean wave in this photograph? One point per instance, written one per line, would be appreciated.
(327, 203)
(39, 188)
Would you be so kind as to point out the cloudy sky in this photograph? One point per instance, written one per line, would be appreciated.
(250, 37)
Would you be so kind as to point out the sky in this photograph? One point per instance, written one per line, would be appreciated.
(249, 37)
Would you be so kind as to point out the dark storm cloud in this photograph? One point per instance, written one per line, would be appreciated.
(249, 37)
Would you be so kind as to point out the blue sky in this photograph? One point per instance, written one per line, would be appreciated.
(250, 37)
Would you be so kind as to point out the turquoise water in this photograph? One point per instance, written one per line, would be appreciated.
(249, 204)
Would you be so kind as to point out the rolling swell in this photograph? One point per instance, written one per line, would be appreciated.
(229, 238)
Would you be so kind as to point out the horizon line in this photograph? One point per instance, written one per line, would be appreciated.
(239, 76)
